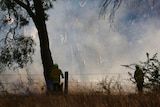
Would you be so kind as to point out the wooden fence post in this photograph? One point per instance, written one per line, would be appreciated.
(66, 83)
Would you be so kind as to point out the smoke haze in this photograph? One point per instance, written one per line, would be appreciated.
(81, 43)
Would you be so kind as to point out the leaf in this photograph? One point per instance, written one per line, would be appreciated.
(154, 56)
(23, 21)
(147, 57)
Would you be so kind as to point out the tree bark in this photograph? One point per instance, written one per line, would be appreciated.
(46, 57)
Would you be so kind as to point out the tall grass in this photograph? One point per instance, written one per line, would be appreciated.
(109, 94)
(90, 99)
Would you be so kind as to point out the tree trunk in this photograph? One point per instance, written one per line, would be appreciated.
(46, 57)
(45, 54)
(38, 17)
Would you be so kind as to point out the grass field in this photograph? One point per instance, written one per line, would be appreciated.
(89, 99)
(107, 94)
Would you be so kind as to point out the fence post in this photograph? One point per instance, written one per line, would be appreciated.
(66, 83)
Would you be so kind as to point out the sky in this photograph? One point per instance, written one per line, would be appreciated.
(83, 43)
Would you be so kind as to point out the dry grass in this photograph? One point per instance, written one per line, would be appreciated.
(91, 99)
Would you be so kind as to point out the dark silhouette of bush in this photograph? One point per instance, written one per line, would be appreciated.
(151, 68)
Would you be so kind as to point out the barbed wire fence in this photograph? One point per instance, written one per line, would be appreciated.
(34, 83)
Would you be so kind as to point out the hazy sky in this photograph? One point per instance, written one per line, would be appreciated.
(81, 43)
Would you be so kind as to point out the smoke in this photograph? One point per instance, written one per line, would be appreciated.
(81, 43)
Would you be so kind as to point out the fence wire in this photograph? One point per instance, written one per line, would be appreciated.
(76, 81)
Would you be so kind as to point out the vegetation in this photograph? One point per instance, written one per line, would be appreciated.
(36, 10)
(139, 8)
(151, 69)
(18, 13)
(15, 15)
(109, 94)
(90, 99)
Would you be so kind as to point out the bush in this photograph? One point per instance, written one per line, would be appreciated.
(150, 69)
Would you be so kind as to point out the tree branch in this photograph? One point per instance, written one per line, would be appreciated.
(28, 3)
(27, 7)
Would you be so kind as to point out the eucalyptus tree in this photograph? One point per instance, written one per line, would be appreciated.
(17, 49)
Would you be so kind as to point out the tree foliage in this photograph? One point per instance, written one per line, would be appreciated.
(151, 69)
(112, 5)
(17, 53)
(16, 48)
(15, 14)
(139, 8)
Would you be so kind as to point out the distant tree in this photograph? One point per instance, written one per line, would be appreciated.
(139, 8)
(111, 5)
(17, 49)
(151, 69)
